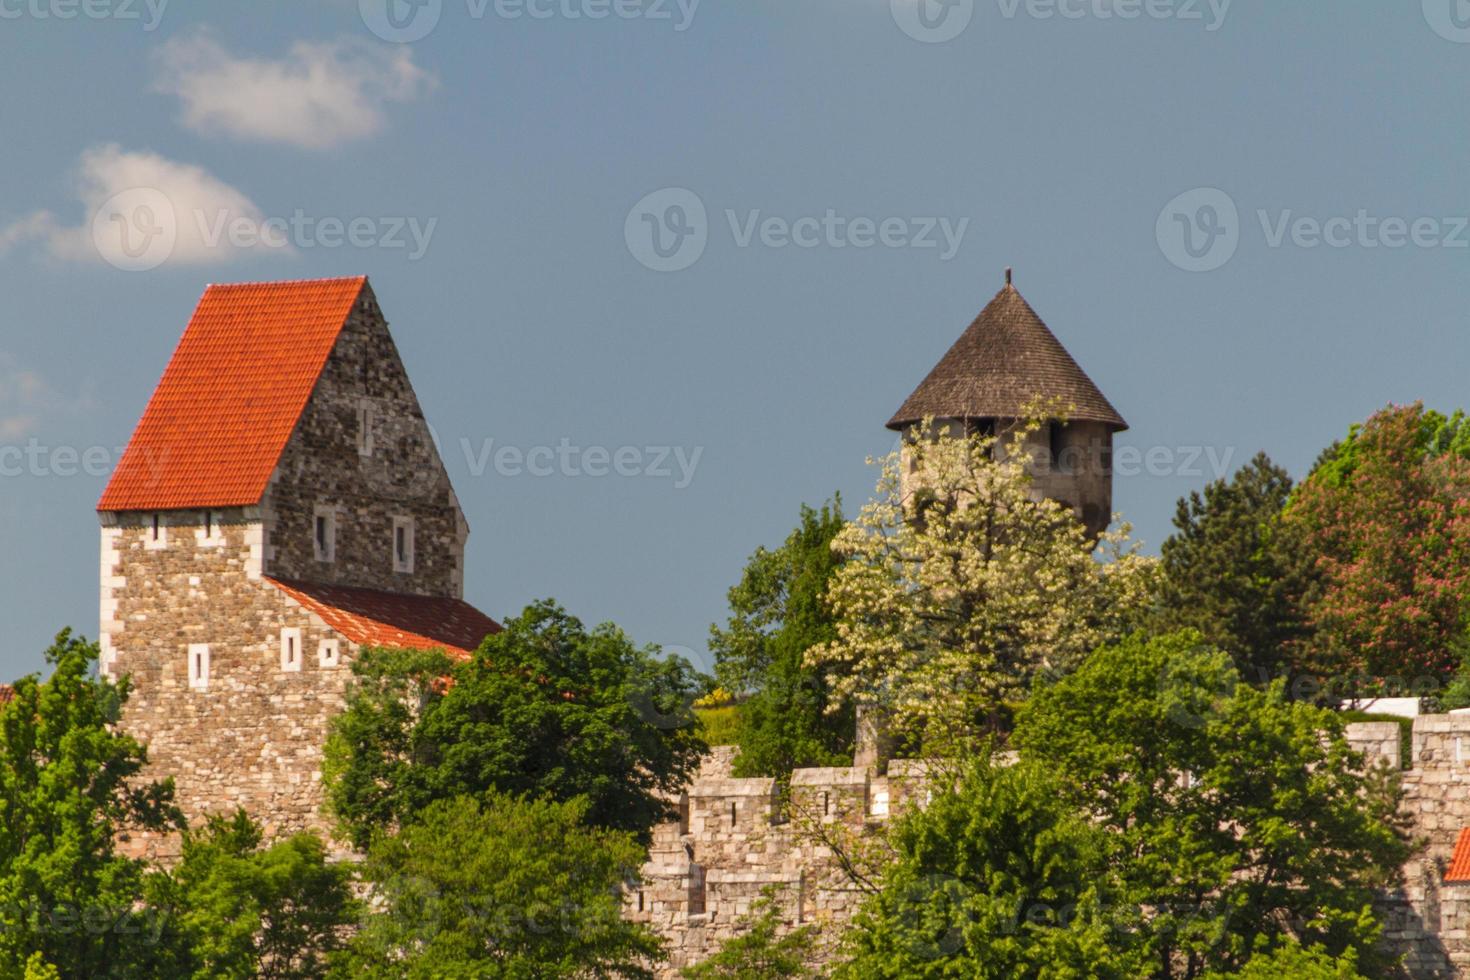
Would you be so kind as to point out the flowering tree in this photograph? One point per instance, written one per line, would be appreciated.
(1386, 516)
(959, 587)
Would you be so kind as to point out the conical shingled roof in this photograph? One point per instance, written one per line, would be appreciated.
(1005, 361)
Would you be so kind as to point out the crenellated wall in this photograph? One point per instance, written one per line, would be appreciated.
(735, 838)
(1427, 921)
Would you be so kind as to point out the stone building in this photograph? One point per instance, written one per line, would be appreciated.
(280, 505)
(1005, 366)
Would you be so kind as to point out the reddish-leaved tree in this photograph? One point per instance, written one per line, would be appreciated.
(1385, 516)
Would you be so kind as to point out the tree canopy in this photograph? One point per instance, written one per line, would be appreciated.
(543, 708)
(1242, 820)
(70, 782)
(998, 877)
(1232, 572)
(959, 589)
(1385, 516)
(236, 908)
(778, 612)
(500, 887)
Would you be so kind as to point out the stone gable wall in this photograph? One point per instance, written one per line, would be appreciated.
(404, 476)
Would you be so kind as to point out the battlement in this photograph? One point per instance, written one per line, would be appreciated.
(737, 838)
(1427, 921)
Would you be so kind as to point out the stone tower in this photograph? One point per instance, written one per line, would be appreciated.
(1005, 362)
(280, 505)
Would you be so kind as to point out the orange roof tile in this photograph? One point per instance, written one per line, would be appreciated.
(230, 396)
(392, 619)
(1459, 870)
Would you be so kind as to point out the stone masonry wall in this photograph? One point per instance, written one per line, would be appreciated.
(403, 477)
(732, 841)
(1427, 922)
(735, 839)
(253, 736)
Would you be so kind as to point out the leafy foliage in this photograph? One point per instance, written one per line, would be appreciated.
(1231, 571)
(69, 783)
(998, 878)
(1386, 516)
(1240, 819)
(1298, 963)
(237, 909)
(956, 596)
(543, 708)
(500, 887)
(758, 952)
(778, 613)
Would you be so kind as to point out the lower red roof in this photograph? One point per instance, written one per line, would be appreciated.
(368, 617)
(1459, 870)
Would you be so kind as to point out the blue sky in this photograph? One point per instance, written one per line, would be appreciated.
(1315, 154)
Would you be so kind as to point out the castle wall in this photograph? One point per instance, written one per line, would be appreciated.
(738, 839)
(323, 465)
(705, 872)
(253, 735)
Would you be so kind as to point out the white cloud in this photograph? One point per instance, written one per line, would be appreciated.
(317, 96)
(25, 396)
(140, 210)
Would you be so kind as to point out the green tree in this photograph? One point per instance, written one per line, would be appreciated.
(543, 708)
(1230, 571)
(960, 589)
(759, 952)
(1298, 963)
(1242, 820)
(70, 782)
(240, 910)
(777, 613)
(500, 887)
(999, 877)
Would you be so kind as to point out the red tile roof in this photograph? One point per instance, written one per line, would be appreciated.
(7, 694)
(230, 396)
(371, 618)
(1459, 870)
